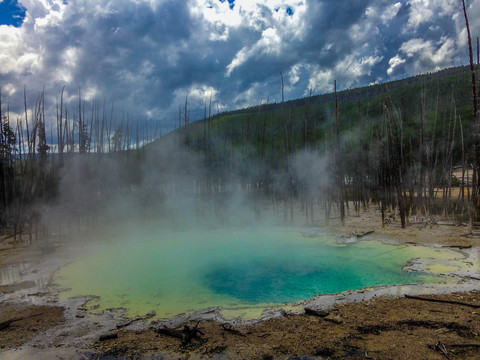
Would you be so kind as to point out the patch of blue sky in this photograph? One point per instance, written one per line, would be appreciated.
(231, 3)
(289, 10)
(11, 13)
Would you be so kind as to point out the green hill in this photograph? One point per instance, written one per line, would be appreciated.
(398, 144)
(258, 133)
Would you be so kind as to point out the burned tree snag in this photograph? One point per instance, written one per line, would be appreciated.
(338, 163)
(394, 149)
(474, 199)
(187, 334)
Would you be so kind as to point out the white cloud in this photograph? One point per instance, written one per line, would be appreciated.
(199, 93)
(9, 89)
(294, 74)
(275, 25)
(321, 81)
(424, 11)
(147, 54)
(238, 60)
(384, 13)
(16, 55)
(438, 52)
(394, 63)
(269, 44)
(249, 97)
(421, 55)
(390, 12)
(346, 72)
(217, 12)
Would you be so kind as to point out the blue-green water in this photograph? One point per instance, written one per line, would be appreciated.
(181, 272)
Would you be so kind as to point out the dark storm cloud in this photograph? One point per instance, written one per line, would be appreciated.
(147, 55)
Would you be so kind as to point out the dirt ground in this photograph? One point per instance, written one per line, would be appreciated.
(384, 328)
(28, 322)
(381, 328)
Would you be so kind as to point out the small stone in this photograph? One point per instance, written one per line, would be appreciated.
(150, 314)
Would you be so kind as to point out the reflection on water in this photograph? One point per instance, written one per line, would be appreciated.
(13, 273)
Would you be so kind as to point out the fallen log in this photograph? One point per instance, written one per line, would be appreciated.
(474, 345)
(440, 347)
(108, 336)
(187, 334)
(443, 348)
(5, 324)
(317, 313)
(170, 332)
(230, 329)
(39, 293)
(472, 277)
(361, 235)
(128, 323)
(461, 247)
(430, 324)
(442, 301)
(450, 223)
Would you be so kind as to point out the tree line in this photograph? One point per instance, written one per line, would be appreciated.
(398, 149)
(33, 154)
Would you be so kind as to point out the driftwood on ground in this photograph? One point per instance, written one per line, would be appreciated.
(441, 301)
(187, 334)
(147, 316)
(5, 324)
(471, 277)
(474, 345)
(317, 313)
(443, 348)
(460, 246)
(230, 329)
(108, 336)
(450, 223)
(360, 235)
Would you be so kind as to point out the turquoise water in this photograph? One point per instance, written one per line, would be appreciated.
(173, 273)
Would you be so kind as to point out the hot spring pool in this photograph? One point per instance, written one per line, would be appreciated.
(174, 273)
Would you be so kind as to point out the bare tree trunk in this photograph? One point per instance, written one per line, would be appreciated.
(338, 163)
(286, 189)
(461, 194)
(186, 120)
(478, 53)
(395, 151)
(422, 180)
(60, 129)
(473, 203)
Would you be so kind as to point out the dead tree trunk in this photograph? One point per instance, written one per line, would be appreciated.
(338, 163)
(474, 199)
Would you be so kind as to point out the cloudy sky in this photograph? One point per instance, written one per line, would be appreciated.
(146, 55)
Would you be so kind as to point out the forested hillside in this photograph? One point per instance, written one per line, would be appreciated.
(395, 145)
